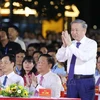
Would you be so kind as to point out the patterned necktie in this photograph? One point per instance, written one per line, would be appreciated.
(72, 64)
(5, 80)
(98, 82)
(41, 79)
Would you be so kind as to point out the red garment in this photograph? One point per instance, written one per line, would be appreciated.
(29, 75)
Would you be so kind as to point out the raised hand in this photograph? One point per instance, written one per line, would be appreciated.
(34, 80)
(28, 81)
(63, 40)
(66, 38)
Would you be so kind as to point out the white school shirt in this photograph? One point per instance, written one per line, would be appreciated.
(51, 81)
(96, 79)
(86, 56)
(22, 44)
(12, 78)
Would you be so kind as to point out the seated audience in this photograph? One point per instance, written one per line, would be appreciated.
(1, 72)
(44, 49)
(40, 38)
(97, 85)
(97, 72)
(18, 63)
(13, 32)
(28, 68)
(9, 76)
(32, 38)
(57, 68)
(36, 55)
(26, 38)
(46, 78)
(6, 46)
(31, 48)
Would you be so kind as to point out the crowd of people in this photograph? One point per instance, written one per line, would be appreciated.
(25, 61)
(59, 62)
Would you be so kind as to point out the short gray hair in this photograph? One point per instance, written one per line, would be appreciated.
(84, 25)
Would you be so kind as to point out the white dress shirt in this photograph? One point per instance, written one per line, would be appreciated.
(12, 78)
(22, 44)
(86, 56)
(96, 79)
(50, 81)
(58, 69)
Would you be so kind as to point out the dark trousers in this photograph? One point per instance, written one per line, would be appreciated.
(81, 88)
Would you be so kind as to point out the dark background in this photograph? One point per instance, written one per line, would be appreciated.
(89, 11)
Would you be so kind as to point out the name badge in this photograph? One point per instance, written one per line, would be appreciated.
(45, 92)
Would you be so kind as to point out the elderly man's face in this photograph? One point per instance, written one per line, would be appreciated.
(43, 66)
(77, 31)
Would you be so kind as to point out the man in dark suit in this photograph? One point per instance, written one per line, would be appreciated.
(7, 47)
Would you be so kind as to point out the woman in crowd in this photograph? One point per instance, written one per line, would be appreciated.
(28, 69)
(31, 48)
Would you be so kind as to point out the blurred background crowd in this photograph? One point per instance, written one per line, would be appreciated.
(34, 27)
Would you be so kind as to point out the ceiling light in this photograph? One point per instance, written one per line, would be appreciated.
(35, 2)
(29, 0)
(59, 14)
(68, 7)
(56, 7)
(51, 2)
(7, 4)
(17, 4)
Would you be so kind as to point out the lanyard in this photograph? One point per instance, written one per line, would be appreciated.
(18, 71)
(6, 50)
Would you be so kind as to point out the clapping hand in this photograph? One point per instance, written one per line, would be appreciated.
(28, 81)
(66, 39)
(34, 80)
